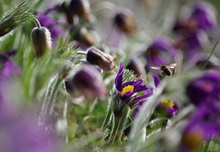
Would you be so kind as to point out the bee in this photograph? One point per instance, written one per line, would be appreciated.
(169, 70)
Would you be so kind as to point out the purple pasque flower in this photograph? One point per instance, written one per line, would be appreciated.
(204, 15)
(129, 88)
(203, 125)
(146, 95)
(168, 108)
(205, 88)
(8, 67)
(160, 52)
(137, 67)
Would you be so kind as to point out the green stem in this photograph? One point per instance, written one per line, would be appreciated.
(119, 125)
(107, 119)
(37, 23)
(210, 55)
(50, 96)
(206, 148)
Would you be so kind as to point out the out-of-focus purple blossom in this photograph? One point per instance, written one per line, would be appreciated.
(206, 88)
(23, 134)
(203, 125)
(19, 128)
(160, 52)
(190, 41)
(8, 67)
(55, 30)
(88, 82)
(204, 15)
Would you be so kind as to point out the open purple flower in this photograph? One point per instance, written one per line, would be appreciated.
(129, 88)
(205, 88)
(168, 108)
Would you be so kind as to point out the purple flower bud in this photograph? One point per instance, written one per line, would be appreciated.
(41, 40)
(88, 82)
(82, 35)
(206, 88)
(101, 59)
(81, 8)
(136, 66)
(125, 21)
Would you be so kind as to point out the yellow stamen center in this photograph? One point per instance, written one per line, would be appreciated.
(126, 89)
(168, 103)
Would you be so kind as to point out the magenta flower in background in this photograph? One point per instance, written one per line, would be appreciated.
(206, 88)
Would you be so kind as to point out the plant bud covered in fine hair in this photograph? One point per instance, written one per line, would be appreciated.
(88, 82)
(41, 40)
(101, 59)
(81, 8)
(82, 35)
(125, 21)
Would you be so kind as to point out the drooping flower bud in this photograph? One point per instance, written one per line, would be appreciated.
(81, 8)
(41, 40)
(82, 35)
(136, 66)
(101, 59)
(125, 21)
(88, 82)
